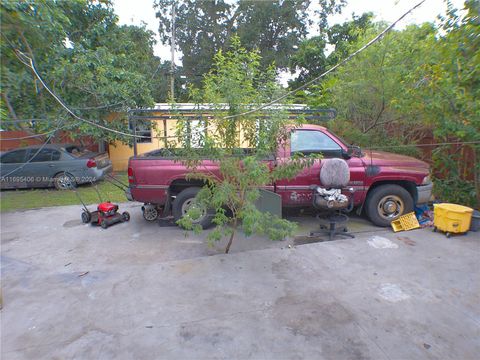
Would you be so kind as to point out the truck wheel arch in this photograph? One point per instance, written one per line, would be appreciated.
(178, 185)
(410, 186)
(399, 195)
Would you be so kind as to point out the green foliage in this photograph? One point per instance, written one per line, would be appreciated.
(311, 59)
(94, 64)
(233, 86)
(205, 27)
(418, 82)
(451, 90)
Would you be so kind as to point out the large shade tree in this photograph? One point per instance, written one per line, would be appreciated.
(313, 57)
(202, 28)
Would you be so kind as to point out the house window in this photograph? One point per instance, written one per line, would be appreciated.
(143, 130)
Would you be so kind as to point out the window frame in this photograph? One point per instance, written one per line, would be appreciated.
(32, 154)
(147, 131)
(319, 151)
(14, 151)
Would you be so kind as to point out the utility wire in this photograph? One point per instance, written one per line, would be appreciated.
(424, 145)
(29, 160)
(120, 102)
(23, 120)
(314, 80)
(40, 135)
(31, 65)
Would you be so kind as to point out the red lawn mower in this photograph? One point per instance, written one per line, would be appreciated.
(106, 214)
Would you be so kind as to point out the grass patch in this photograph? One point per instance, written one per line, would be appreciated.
(11, 200)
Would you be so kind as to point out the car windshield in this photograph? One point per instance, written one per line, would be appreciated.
(76, 150)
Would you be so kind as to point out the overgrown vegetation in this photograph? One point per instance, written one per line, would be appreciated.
(419, 85)
(97, 66)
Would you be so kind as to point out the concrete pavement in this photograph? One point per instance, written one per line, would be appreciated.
(139, 291)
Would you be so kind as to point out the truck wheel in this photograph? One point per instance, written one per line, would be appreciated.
(184, 200)
(386, 203)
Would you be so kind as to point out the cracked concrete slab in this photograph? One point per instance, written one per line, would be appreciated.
(141, 291)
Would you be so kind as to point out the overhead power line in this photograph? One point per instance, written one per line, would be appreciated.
(31, 65)
(42, 134)
(29, 160)
(314, 80)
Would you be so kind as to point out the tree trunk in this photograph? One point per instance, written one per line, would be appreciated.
(235, 223)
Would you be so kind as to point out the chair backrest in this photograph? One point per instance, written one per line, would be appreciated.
(334, 173)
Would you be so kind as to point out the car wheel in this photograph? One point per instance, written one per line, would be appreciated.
(386, 203)
(64, 181)
(125, 216)
(184, 201)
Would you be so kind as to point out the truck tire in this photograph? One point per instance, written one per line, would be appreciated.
(182, 203)
(386, 203)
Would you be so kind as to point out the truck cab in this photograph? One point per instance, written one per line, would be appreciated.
(385, 185)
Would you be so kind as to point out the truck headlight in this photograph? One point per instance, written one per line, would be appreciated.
(426, 180)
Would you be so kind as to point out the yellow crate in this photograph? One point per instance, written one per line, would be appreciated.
(405, 222)
(452, 218)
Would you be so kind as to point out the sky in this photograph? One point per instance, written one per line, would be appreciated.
(134, 12)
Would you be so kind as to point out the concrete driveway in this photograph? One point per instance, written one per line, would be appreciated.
(140, 291)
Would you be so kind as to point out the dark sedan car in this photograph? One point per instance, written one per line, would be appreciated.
(60, 165)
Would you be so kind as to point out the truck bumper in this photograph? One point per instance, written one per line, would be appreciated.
(424, 193)
(128, 194)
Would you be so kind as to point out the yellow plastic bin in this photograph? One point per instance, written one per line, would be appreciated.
(451, 218)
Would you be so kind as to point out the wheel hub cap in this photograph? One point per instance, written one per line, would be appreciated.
(390, 207)
(190, 204)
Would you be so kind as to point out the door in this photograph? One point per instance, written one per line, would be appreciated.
(12, 174)
(297, 192)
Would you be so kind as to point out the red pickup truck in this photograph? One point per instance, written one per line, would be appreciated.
(386, 185)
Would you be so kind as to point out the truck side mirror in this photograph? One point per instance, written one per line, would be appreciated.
(346, 154)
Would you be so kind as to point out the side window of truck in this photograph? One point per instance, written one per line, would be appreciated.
(312, 141)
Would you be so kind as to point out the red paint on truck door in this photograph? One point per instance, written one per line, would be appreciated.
(296, 192)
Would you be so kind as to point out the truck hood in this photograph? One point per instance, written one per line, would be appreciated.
(383, 158)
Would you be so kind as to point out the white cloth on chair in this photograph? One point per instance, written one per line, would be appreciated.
(332, 196)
